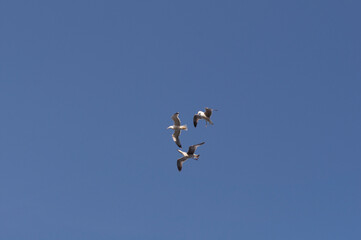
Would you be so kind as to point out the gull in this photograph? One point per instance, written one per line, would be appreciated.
(189, 154)
(177, 129)
(203, 115)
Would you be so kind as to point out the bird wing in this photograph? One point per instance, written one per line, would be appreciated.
(208, 112)
(176, 119)
(180, 162)
(175, 137)
(193, 148)
(195, 120)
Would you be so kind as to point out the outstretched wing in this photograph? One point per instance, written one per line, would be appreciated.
(195, 120)
(176, 119)
(175, 137)
(193, 148)
(208, 112)
(180, 163)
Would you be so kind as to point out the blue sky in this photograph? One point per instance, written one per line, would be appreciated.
(87, 89)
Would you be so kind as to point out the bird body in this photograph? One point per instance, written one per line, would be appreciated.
(177, 127)
(184, 127)
(187, 155)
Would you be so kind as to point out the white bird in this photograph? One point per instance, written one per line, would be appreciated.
(189, 154)
(203, 115)
(177, 129)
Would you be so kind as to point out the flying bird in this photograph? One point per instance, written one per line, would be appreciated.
(189, 154)
(203, 115)
(177, 129)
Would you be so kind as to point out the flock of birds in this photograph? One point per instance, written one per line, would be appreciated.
(177, 127)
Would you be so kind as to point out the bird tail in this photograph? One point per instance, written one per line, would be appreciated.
(184, 127)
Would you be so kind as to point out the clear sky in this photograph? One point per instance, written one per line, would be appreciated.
(87, 89)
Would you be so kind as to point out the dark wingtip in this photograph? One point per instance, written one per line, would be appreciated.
(195, 120)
